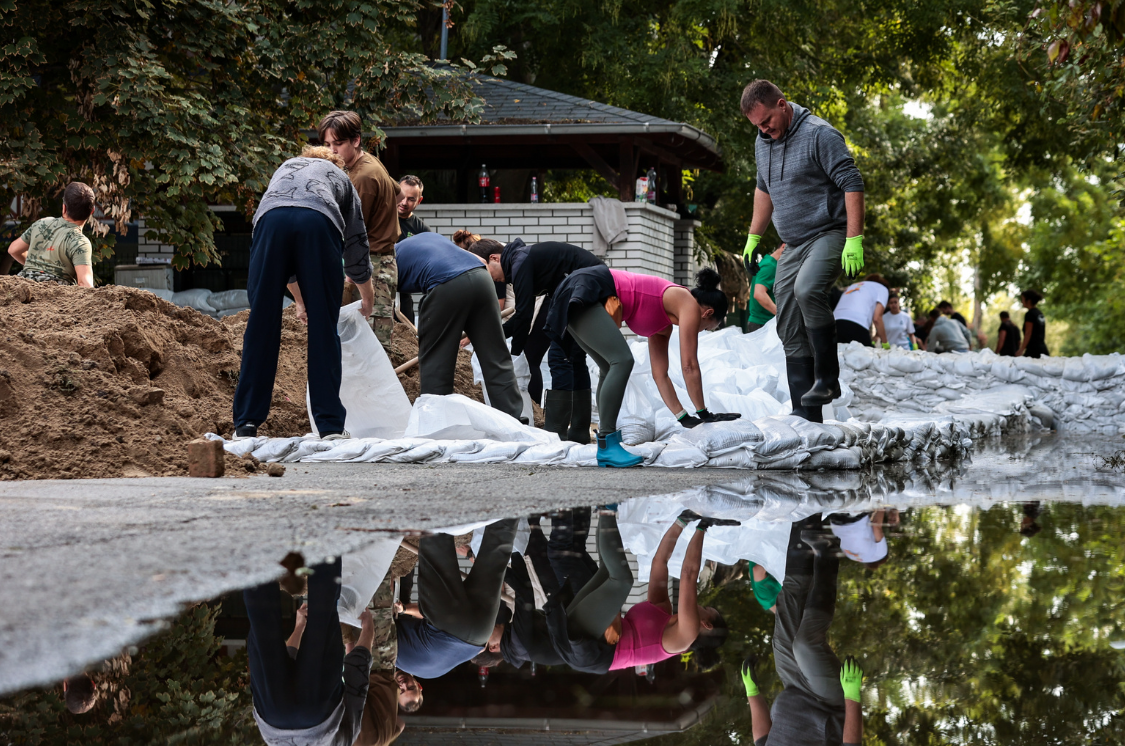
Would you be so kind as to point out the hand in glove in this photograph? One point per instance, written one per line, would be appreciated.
(749, 260)
(748, 677)
(851, 678)
(852, 258)
(708, 416)
(688, 421)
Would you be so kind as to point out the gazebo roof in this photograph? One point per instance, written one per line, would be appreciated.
(525, 126)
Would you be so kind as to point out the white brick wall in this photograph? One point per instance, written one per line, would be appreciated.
(684, 254)
(150, 247)
(651, 247)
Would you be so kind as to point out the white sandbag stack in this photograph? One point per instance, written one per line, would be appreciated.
(1083, 395)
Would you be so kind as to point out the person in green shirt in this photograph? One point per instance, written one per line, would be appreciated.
(761, 306)
(54, 249)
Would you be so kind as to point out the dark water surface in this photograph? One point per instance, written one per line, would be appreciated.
(995, 617)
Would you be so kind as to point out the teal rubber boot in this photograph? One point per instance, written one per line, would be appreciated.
(611, 453)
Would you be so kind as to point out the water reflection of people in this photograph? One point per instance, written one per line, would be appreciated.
(649, 632)
(299, 695)
(455, 617)
(861, 535)
(820, 701)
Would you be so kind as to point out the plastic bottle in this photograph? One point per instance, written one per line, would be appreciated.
(483, 180)
(651, 196)
(482, 676)
(534, 198)
(641, 190)
(495, 194)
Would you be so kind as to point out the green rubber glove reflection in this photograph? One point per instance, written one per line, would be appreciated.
(748, 677)
(852, 257)
(851, 678)
(751, 244)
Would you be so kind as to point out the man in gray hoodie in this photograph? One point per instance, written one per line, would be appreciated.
(808, 184)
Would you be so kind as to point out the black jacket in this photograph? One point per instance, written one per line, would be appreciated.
(533, 271)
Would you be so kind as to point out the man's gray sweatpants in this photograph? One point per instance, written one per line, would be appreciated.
(467, 303)
(805, 275)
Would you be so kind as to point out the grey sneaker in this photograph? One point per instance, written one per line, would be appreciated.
(345, 435)
(245, 432)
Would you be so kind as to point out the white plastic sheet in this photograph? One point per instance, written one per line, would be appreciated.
(361, 573)
(376, 405)
(457, 416)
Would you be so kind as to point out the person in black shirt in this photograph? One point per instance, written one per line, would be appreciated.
(1034, 327)
(533, 271)
(409, 225)
(1008, 338)
(946, 309)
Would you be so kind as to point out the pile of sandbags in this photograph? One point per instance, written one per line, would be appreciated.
(1083, 395)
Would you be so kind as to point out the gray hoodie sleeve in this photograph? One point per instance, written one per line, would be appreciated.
(838, 164)
(357, 257)
(357, 673)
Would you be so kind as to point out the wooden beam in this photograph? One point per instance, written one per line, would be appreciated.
(659, 153)
(591, 156)
(627, 166)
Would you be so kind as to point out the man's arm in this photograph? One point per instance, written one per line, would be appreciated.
(294, 640)
(763, 212)
(1000, 339)
(853, 722)
(760, 721)
(379, 197)
(85, 275)
(880, 330)
(762, 295)
(18, 250)
(854, 203)
(851, 680)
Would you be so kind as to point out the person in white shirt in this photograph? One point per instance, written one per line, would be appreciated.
(899, 327)
(861, 305)
(861, 536)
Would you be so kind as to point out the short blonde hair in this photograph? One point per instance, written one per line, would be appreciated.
(320, 151)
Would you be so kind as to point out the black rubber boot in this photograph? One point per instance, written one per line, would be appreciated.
(580, 416)
(799, 372)
(556, 412)
(827, 367)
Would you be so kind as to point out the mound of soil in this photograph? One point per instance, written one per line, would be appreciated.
(404, 347)
(114, 381)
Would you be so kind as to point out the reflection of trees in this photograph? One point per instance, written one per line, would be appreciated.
(184, 691)
(971, 634)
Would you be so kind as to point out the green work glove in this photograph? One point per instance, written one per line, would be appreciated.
(853, 256)
(748, 677)
(851, 678)
(749, 260)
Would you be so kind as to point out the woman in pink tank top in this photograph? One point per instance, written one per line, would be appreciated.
(650, 632)
(651, 306)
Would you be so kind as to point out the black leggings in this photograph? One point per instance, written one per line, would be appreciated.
(849, 331)
(293, 694)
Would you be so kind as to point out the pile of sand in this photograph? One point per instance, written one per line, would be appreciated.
(114, 381)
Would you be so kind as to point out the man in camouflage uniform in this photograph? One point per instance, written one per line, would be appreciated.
(378, 194)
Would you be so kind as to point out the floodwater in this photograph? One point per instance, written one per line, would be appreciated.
(982, 601)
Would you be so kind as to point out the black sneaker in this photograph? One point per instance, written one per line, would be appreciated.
(242, 432)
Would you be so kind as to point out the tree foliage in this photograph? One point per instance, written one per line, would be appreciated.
(166, 106)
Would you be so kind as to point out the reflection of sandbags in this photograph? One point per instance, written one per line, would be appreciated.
(196, 298)
(361, 573)
(456, 416)
(370, 391)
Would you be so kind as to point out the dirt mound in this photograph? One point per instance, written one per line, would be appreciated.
(115, 381)
(404, 347)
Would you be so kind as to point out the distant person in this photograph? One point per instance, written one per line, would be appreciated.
(309, 231)
(946, 309)
(862, 305)
(861, 535)
(409, 225)
(897, 324)
(1034, 327)
(459, 297)
(1008, 336)
(820, 702)
(946, 334)
(300, 697)
(342, 131)
(1029, 524)
(456, 617)
(761, 307)
(54, 249)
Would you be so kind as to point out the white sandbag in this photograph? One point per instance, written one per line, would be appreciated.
(423, 452)
(275, 449)
(546, 453)
(837, 459)
(777, 436)
(816, 436)
(228, 299)
(230, 312)
(491, 453)
(582, 455)
(376, 405)
(162, 292)
(458, 417)
(195, 298)
(681, 454)
(361, 574)
(741, 458)
(717, 438)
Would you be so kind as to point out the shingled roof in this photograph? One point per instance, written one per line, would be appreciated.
(508, 102)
